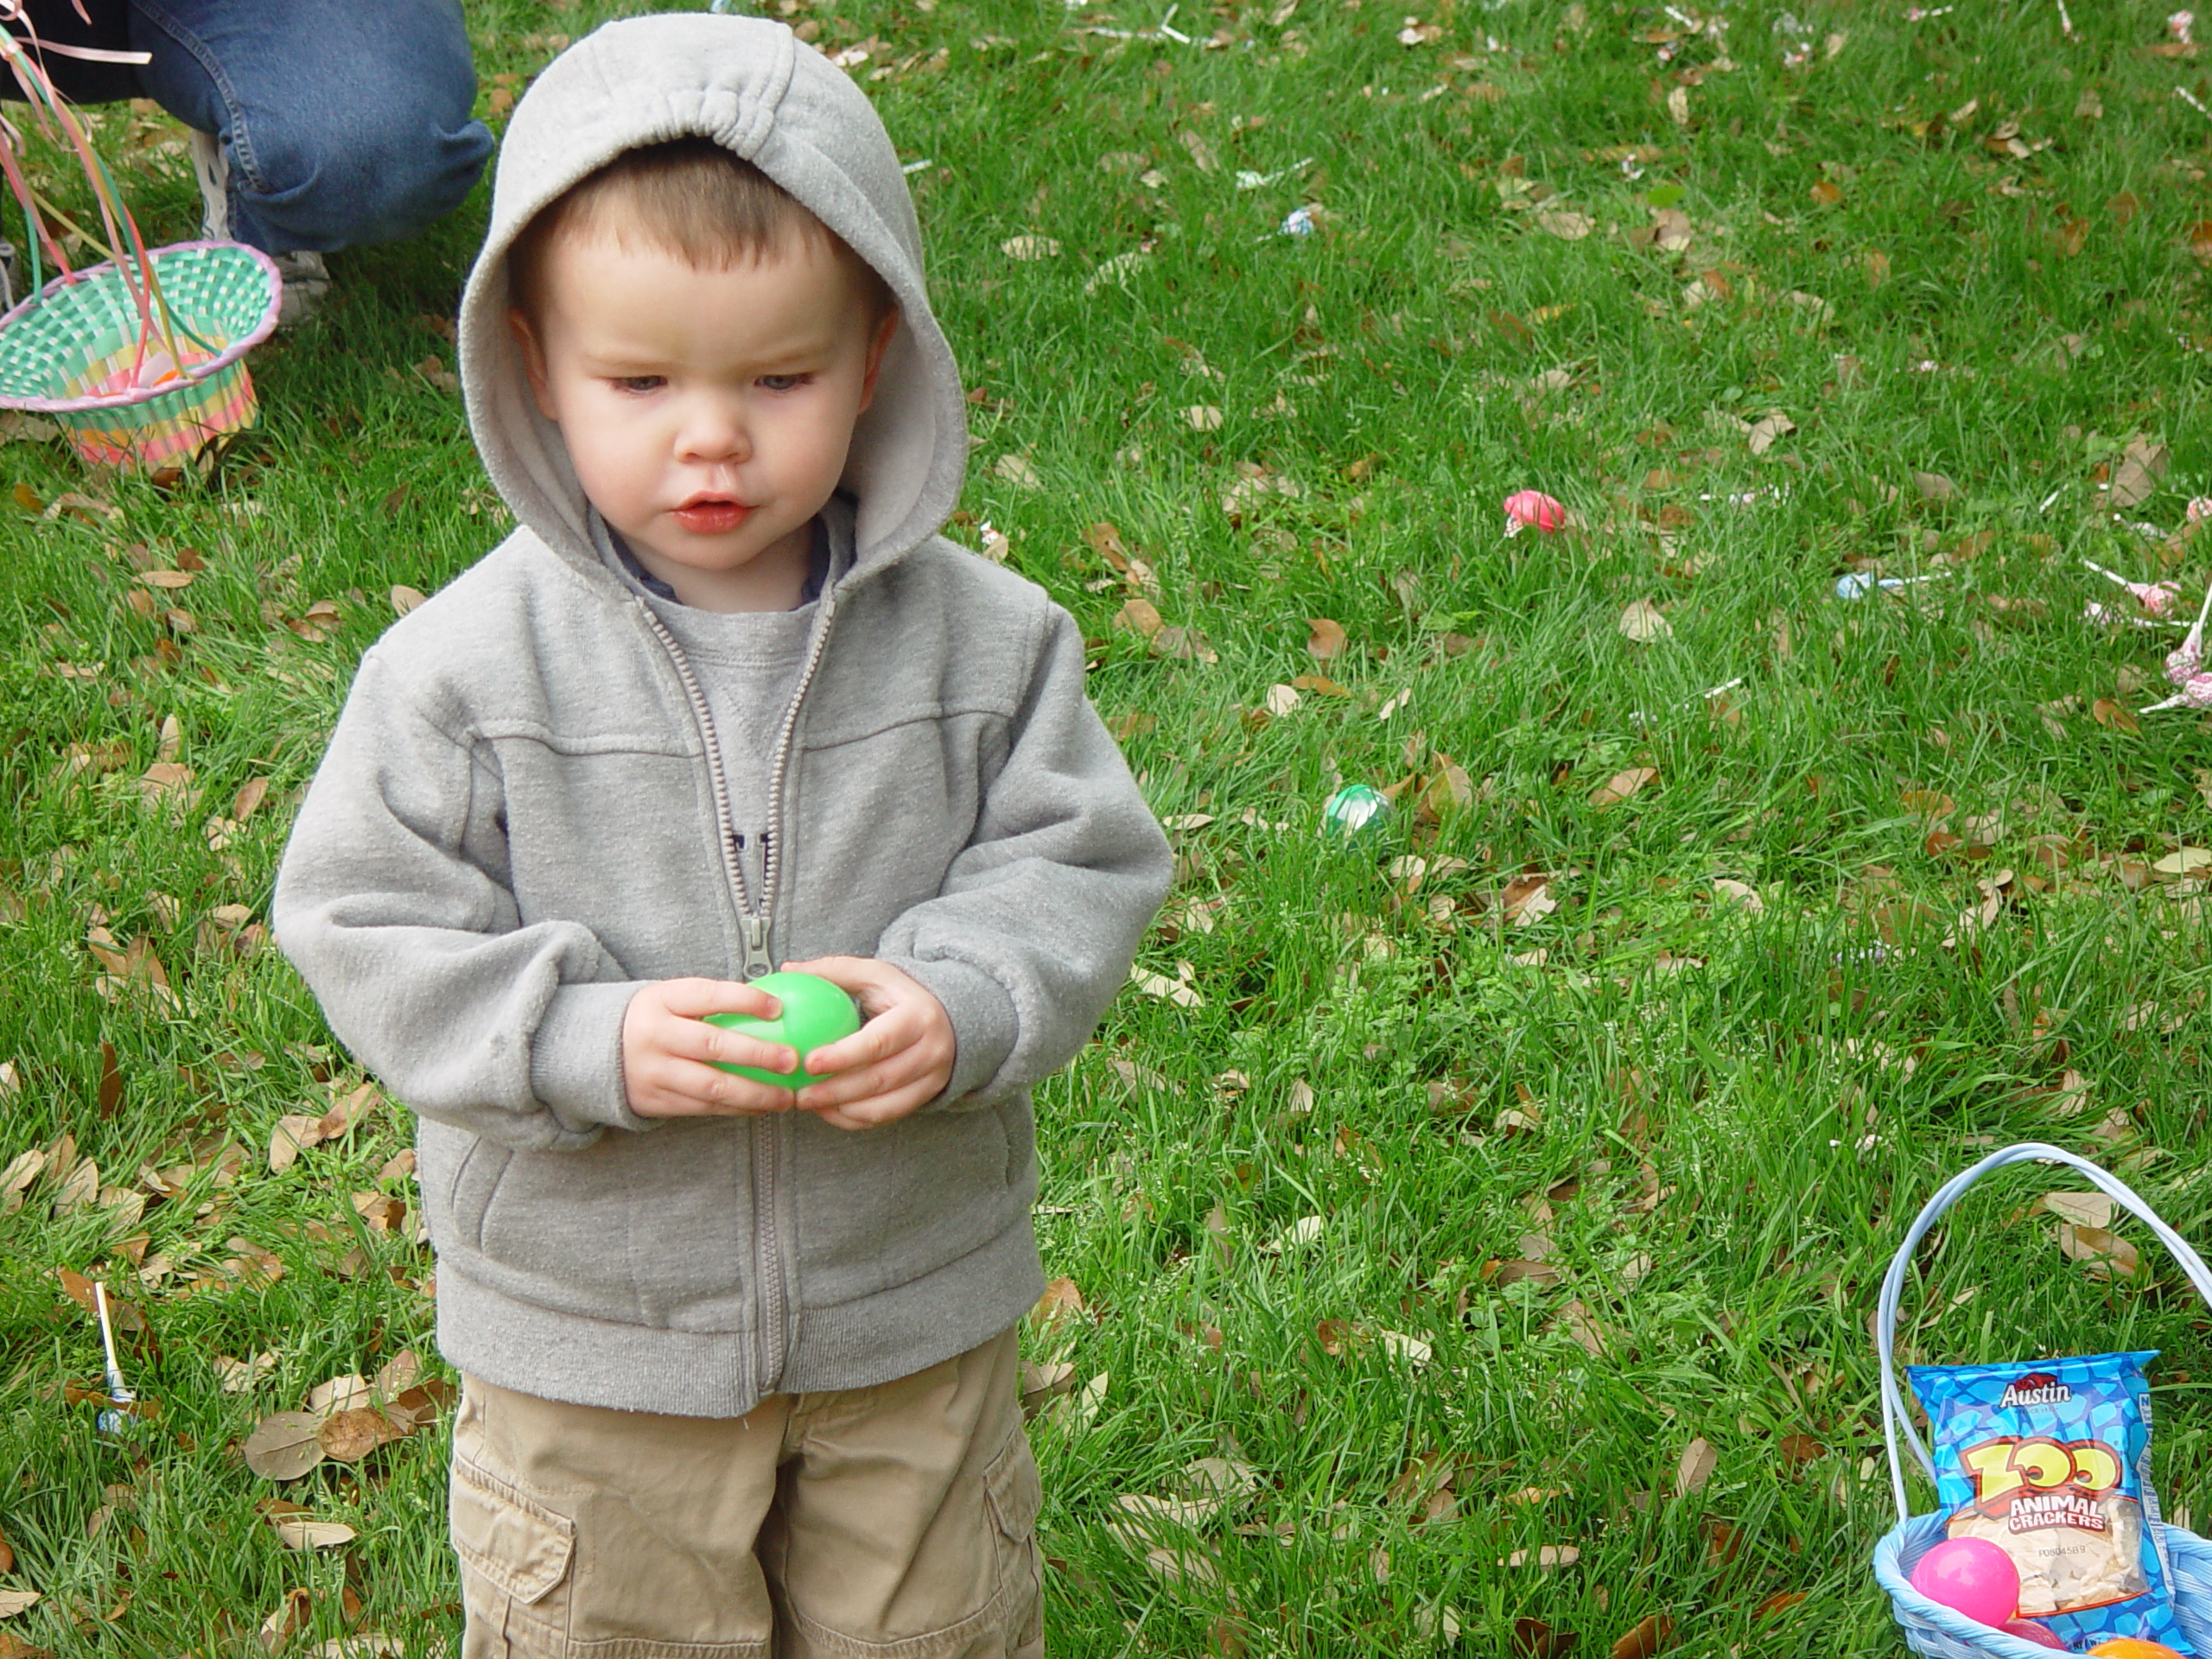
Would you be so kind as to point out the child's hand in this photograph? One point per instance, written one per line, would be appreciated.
(666, 1044)
(900, 1059)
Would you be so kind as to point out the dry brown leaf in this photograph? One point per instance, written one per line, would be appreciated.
(2113, 714)
(241, 1376)
(2136, 480)
(1695, 1470)
(18, 1601)
(1061, 1304)
(1566, 226)
(351, 1108)
(2092, 1210)
(311, 1535)
(1621, 785)
(1934, 486)
(1324, 640)
(1764, 431)
(1140, 616)
(2107, 1255)
(1189, 1564)
(1743, 893)
(1643, 621)
(284, 1446)
(349, 1436)
(1041, 1384)
(339, 1394)
(1017, 470)
(293, 1136)
(1654, 1635)
(2183, 863)
(290, 1618)
(1533, 1639)
(1203, 417)
(165, 783)
(397, 1375)
(1547, 1557)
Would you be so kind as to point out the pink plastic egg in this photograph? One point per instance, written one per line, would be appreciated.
(2028, 1630)
(1970, 1576)
(1533, 509)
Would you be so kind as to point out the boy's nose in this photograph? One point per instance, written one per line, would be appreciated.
(710, 433)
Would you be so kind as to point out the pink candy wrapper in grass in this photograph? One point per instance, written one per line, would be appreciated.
(1970, 1576)
(2185, 670)
(1533, 509)
(2155, 597)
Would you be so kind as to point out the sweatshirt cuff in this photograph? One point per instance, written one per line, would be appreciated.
(575, 1058)
(983, 1023)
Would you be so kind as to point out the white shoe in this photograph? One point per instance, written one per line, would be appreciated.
(307, 279)
(211, 168)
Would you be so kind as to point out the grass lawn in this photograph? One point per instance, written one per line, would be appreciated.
(1497, 1201)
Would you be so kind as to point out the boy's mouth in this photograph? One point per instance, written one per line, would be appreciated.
(711, 515)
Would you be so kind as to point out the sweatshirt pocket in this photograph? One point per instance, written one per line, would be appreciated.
(886, 1206)
(475, 1179)
(653, 1228)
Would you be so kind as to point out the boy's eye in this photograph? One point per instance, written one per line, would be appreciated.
(782, 381)
(639, 382)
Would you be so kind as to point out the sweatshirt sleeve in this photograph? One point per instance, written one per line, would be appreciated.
(393, 903)
(1041, 913)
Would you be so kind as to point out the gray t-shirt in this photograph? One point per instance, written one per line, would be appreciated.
(748, 663)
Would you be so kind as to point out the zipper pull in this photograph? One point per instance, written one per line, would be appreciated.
(756, 946)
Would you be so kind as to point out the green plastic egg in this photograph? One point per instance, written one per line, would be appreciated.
(816, 1012)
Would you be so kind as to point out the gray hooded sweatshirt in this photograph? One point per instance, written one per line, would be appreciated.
(526, 813)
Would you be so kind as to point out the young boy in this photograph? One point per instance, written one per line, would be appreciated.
(739, 1365)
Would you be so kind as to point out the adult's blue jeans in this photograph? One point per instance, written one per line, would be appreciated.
(344, 120)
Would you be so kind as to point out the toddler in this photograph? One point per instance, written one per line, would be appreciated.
(739, 1364)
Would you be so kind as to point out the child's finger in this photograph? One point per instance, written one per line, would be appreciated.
(695, 998)
(695, 1040)
(915, 1064)
(878, 1110)
(878, 1039)
(682, 1089)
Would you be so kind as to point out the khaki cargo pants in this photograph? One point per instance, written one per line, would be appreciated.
(891, 1522)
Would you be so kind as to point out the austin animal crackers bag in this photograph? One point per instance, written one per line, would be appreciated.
(2050, 1461)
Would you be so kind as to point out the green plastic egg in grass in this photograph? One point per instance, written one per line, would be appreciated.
(816, 1012)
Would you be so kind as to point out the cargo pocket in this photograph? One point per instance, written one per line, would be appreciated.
(514, 1555)
(1016, 1494)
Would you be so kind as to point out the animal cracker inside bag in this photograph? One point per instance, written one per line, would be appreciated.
(2050, 1461)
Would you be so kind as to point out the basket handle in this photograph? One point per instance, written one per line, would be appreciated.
(1895, 1416)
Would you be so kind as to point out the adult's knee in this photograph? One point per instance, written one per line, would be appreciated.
(364, 163)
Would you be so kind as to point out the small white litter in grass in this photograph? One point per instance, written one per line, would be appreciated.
(922, 165)
(1412, 1350)
(1118, 270)
(1297, 222)
(1247, 180)
(1303, 1231)
(1859, 583)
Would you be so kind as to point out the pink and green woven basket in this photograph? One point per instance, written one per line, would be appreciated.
(79, 352)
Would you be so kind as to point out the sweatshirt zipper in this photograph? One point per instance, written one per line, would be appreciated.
(755, 925)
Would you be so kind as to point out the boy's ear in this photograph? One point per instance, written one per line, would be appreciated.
(877, 347)
(533, 363)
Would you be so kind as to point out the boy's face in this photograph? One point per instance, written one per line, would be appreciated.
(708, 412)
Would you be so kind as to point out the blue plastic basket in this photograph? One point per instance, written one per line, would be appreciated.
(1929, 1627)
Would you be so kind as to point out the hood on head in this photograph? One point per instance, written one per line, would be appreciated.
(749, 85)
